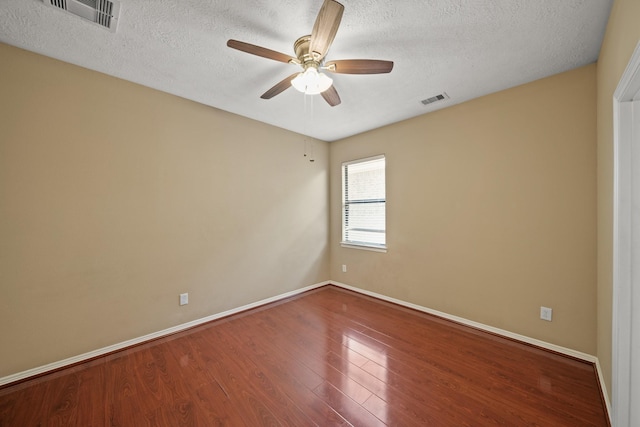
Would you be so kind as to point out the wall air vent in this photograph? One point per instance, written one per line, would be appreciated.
(436, 98)
(102, 12)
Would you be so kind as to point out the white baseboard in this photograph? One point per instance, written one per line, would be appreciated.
(538, 343)
(603, 387)
(467, 322)
(115, 347)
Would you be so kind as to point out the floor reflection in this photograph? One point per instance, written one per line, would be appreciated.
(364, 360)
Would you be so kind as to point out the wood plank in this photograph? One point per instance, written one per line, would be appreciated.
(297, 380)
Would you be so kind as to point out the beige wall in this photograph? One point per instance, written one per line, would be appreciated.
(621, 38)
(491, 210)
(115, 198)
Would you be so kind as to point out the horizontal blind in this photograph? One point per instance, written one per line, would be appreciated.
(364, 202)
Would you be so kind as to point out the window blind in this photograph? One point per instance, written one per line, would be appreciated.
(364, 202)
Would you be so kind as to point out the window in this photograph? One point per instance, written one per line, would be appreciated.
(363, 203)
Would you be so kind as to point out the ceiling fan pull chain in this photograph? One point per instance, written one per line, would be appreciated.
(304, 112)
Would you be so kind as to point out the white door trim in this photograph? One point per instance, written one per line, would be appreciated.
(626, 275)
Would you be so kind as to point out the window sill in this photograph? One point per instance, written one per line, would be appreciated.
(364, 247)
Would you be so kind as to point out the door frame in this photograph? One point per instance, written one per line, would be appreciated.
(626, 272)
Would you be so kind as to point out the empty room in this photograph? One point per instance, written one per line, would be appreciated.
(319, 213)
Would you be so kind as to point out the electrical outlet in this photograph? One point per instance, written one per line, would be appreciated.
(184, 299)
(344, 268)
(546, 313)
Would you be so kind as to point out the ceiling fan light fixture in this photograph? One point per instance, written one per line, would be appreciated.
(311, 82)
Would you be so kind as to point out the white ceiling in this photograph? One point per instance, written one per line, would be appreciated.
(466, 48)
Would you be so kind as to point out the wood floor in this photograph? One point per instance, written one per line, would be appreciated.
(327, 357)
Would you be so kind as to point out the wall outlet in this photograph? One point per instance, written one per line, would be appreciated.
(344, 268)
(184, 299)
(546, 313)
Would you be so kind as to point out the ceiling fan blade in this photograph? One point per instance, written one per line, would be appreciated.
(279, 87)
(260, 51)
(325, 28)
(359, 66)
(331, 96)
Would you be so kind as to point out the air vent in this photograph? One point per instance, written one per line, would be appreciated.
(102, 12)
(436, 98)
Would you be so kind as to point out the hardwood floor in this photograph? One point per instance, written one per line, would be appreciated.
(327, 357)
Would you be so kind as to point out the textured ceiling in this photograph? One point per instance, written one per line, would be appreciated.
(466, 48)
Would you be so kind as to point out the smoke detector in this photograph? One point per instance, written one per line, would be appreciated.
(102, 12)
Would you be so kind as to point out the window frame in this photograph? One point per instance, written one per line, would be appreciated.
(376, 247)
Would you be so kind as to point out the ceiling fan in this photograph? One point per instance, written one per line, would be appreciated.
(310, 55)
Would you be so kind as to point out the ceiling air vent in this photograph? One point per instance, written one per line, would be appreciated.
(436, 98)
(103, 12)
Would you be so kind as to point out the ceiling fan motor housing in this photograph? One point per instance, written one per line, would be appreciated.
(306, 58)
